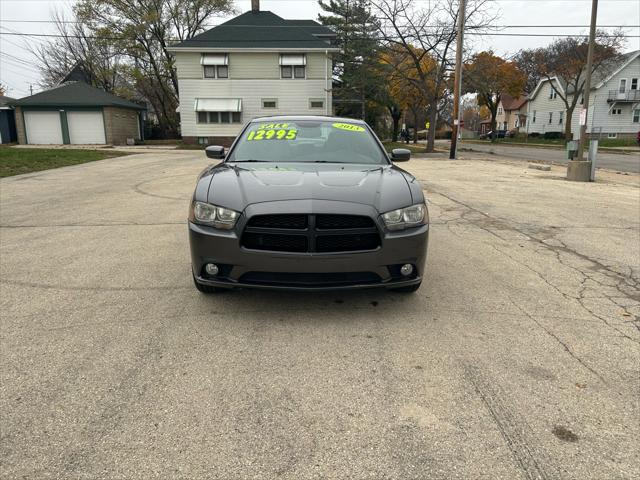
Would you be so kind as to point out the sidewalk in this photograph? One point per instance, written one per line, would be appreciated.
(626, 150)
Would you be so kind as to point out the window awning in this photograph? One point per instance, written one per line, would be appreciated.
(293, 59)
(214, 59)
(218, 105)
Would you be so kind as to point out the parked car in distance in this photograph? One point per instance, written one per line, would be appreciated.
(307, 203)
(499, 134)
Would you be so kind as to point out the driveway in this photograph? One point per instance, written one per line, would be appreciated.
(622, 162)
(517, 359)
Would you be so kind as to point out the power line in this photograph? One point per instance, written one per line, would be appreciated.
(19, 73)
(76, 22)
(419, 1)
(15, 63)
(195, 40)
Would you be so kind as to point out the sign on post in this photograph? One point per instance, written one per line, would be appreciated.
(583, 117)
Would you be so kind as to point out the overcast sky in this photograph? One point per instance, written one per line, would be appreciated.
(18, 69)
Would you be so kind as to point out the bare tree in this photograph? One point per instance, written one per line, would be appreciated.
(122, 45)
(420, 29)
(98, 60)
(564, 65)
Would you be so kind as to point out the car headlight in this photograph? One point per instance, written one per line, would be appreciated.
(407, 217)
(213, 215)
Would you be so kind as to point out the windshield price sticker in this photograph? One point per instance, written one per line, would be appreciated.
(348, 127)
(272, 134)
(273, 126)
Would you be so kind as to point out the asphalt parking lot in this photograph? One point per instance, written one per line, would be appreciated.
(517, 359)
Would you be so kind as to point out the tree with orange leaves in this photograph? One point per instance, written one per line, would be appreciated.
(409, 88)
(489, 76)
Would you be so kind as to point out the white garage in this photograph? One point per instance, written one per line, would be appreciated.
(78, 114)
(43, 128)
(86, 128)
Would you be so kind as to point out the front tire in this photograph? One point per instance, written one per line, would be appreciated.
(208, 289)
(407, 289)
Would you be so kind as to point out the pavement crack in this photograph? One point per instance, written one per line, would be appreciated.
(557, 339)
(627, 286)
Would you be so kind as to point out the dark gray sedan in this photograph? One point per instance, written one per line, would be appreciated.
(307, 203)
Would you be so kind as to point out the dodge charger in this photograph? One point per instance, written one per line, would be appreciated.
(307, 203)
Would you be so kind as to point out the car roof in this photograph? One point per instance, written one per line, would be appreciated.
(318, 118)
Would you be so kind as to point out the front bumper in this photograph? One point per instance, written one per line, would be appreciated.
(246, 268)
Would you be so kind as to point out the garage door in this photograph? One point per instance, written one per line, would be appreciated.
(43, 128)
(85, 127)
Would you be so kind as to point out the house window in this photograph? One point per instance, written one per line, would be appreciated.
(616, 111)
(499, 110)
(223, 71)
(269, 103)
(636, 115)
(293, 71)
(203, 140)
(216, 71)
(219, 117)
(293, 65)
(534, 117)
(316, 103)
(550, 117)
(561, 118)
(623, 85)
(286, 71)
(612, 135)
(553, 94)
(634, 84)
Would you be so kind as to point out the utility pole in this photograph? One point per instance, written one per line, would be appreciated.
(457, 92)
(579, 169)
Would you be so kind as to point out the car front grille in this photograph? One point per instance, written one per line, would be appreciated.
(302, 233)
(310, 279)
(293, 222)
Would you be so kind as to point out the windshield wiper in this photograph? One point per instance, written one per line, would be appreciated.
(250, 161)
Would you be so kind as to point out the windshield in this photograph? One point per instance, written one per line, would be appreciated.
(309, 141)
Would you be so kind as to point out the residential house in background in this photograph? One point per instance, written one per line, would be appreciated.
(512, 112)
(614, 103)
(7, 121)
(77, 113)
(257, 64)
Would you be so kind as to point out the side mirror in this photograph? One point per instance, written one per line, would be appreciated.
(400, 155)
(215, 151)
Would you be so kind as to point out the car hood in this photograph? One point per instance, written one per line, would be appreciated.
(237, 186)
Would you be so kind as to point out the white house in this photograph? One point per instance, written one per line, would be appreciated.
(614, 103)
(254, 65)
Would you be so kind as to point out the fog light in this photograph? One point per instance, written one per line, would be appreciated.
(406, 269)
(212, 269)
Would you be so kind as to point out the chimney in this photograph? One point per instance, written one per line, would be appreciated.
(255, 5)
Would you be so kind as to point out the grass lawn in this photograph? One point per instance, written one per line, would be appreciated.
(419, 148)
(15, 161)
